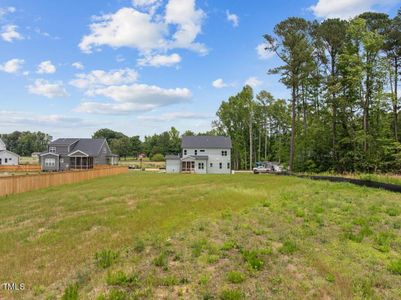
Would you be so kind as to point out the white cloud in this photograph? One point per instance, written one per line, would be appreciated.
(48, 89)
(46, 67)
(126, 28)
(131, 98)
(91, 107)
(143, 93)
(253, 81)
(141, 3)
(233, 18)
(175, 116)
(12, 66)
(98, 78)
(24, 119)
(189, 21)
(160, 60)
(9, 33)
(77, 65)
(147, 5)
(6, 10)
(142, 30)
(219, 84)
(345, 8)
(263, 53)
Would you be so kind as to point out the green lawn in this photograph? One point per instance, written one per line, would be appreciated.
(143, 235)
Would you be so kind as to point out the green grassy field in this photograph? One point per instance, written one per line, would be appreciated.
(158, 236)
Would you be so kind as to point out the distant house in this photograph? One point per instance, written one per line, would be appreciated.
(202, 155)
(7, 158)
(74, 153)
(35, 154)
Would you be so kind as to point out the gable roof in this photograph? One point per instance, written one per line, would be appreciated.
(2, 145)
(64, 142)
(91, 147)
(206, 142)
(12, 153)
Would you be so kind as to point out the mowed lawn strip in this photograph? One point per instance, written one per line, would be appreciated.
(340, 231)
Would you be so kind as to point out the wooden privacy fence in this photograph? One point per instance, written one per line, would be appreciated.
(20, 168)
(24, 183)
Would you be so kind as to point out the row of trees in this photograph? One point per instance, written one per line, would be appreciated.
(168, 142)
(344, 109)
(26, 142)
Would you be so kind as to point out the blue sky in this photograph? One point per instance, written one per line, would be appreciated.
(140, 66)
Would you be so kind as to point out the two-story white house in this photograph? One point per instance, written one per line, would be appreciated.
(202, 155)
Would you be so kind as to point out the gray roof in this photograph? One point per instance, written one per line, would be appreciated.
(199, 142)
(9, 152)
(172, 157)
(64, 142)
(91, 147)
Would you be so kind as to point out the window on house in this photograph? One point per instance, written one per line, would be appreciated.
(10, 158)
(228, 165)
(62, 160)
(104, 150)
(221, 165)
(185, 151)
(224, 153)
(196, 152)
(5, 160)
(202, 150)
(201, 166)
(0, 161)
(211, 165)
(50, 162)
(52, 149)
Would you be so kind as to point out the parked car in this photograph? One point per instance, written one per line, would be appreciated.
(267, 167)
(262, 169)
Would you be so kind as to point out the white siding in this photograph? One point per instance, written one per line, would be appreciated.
(2, 145)
(201, 167)
(173, 166)
(215, 158)
(11, 158)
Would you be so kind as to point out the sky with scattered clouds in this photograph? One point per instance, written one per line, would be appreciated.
(140, 66)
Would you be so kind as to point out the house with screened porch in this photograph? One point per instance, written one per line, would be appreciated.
(202, 155)
(76, 154)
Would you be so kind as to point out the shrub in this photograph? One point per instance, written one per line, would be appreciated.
(253, 259)
(383, 240)
(161, 261)
(235, 277)
(198, 247)
(120, 278)
(105, 258)
(392, 211)
(229, 245)
(204, 279)
(157, 157)
(288, 247)
(395, 267)
(169, 280)
(231, 295)
(117, 295)
(71, 292)
(139, 245)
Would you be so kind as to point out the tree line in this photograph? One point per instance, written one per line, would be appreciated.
(343, 114)
(25, 143)
(154, 146)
